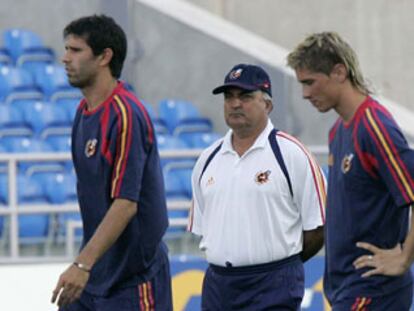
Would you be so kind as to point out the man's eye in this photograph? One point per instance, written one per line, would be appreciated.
(246, 96)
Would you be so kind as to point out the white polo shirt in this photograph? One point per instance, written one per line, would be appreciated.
(242, 206)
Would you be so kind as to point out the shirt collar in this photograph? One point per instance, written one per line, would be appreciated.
(259, 143)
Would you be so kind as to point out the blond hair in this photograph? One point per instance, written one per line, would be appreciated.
(320, 52)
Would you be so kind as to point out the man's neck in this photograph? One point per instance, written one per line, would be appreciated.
(349, 103)
(243, 139)
(97, 93)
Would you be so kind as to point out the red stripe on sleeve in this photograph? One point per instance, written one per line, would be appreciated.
(393, 149)
(363, 157)
(145, 113)
(104, 128)
(124, 146)
(385, 158)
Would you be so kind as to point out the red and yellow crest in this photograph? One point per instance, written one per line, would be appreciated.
(347, 163)
(90, 147)
(262, 177)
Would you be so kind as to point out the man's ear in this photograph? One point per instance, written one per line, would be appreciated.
(339, 72)
(269, 106)
(106, 56)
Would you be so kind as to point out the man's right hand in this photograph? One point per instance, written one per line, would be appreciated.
(70, 286)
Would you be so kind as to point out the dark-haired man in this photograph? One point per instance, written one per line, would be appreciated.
(123, 263)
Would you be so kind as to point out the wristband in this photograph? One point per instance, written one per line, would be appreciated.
(81, 266)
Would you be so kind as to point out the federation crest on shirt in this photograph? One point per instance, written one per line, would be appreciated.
(90, 147)
(347, 163)
(262, 177)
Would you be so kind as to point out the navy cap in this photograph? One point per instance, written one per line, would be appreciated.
(246, 77)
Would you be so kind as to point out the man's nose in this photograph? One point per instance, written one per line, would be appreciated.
(305, 92)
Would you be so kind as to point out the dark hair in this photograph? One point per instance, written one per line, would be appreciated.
(101, 32)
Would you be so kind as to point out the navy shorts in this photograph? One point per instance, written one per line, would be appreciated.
(152, 295)
(271, 286)
(399, 300)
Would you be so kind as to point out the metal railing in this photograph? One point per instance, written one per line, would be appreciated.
(14, 209)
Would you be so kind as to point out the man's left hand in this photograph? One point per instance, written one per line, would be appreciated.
(389, 262)
(70, 286)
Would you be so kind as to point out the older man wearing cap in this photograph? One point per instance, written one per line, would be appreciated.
(259, 200)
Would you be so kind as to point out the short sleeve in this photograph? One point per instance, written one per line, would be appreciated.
(389, 154)
(130, 141)
(196, 211)
(308, 182)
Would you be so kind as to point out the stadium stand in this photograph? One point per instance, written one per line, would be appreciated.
(37, 108)
(33, 229)
(175, 192)
(12, 122)
(180, 116)
(159, 124)
(25, 45)
(17, 84)
(60, 188)
(45, 119)
(70, 105)
(199, 140)
(53, 82)
(5, 58)
(31, 145)
(4, 195)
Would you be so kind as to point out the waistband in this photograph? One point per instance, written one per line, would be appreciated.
(265, 267)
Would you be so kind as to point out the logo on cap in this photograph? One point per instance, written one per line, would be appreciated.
(235, 74)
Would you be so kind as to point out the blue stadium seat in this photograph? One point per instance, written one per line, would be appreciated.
(32, 228)
(53, 81)
(25, 145)
(29, 190)
(60, 143)
(199, 140)
(59, 188)
(24, 45)
(181, 170)
(184, 175)
(175, 191)
(12, 122)
(70, 105)
(169, 142)
(181, 115)
(33, 66)
(159, 125)
(45, 118)
(62, 220)
(30, 145)
(4, 192)
(4, 198)
(3, 165)
(17, 84)
(5, 58)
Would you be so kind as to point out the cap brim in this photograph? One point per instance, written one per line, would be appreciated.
(224, 87)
